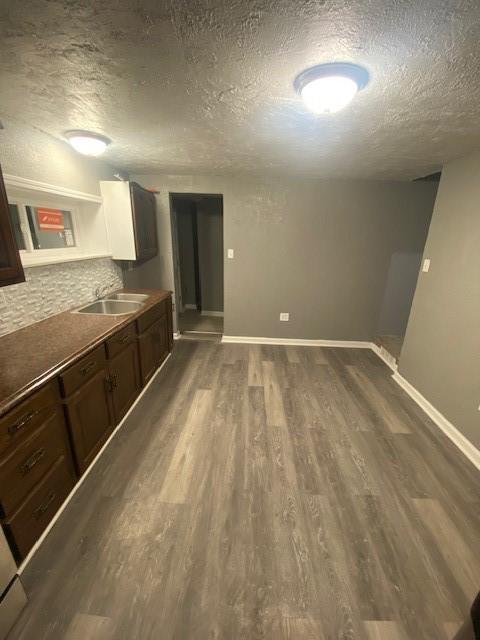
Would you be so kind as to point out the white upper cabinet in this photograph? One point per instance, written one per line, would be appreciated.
(131, 219)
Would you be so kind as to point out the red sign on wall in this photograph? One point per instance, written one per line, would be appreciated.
(50, 220)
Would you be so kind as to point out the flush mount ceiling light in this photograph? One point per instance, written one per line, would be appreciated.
(327, 88)
(90, 144)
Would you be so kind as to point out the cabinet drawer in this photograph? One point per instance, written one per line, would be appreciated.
(120, 340)
(21, 421)
(28, 463)
(83, 370)
(149, 317)
(27, 524)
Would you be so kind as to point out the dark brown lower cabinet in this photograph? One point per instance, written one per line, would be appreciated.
(125, 380)
(94, 393)
(153, 348)
(90, 418)
(108, 387)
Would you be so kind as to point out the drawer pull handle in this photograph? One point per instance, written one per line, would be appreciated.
(111, 382)
(32, 461)
(41, 510)
(88, 367)
(124, 339)
(24, 420)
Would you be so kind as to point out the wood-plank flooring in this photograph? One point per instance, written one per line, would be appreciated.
(265, 492)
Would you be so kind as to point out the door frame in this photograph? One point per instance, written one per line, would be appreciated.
(196, 258)
(177, 278)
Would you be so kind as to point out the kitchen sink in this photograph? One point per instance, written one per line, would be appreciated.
(132, 297)
(111, 307)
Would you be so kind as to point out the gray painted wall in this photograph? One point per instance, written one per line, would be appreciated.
(320, 250)
(441, 352)
(210, 252)
(399, 291)
(30, 153)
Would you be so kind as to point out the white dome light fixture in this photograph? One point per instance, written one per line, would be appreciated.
(87, 143)
(328, 88)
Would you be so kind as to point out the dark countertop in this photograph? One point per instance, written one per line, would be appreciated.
(35, 354)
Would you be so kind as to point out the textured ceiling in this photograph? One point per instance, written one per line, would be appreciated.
(206, 86)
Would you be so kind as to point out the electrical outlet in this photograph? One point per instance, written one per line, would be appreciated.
(426, 265)
(284, 317)
(230, 254)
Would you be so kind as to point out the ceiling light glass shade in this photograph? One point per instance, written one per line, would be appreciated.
(329, 95)
(89, 144)
(328, 88)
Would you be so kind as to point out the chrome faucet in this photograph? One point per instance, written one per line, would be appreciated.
(101, 292)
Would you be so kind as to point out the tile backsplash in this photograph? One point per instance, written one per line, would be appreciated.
(54, 288)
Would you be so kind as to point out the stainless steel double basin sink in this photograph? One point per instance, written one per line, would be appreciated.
(116, 304)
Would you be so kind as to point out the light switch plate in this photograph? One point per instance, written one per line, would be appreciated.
(426, 265)
(284, 317)
(230, 254)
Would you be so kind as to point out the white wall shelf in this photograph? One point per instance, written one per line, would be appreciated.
(88, 217)
(16, 182)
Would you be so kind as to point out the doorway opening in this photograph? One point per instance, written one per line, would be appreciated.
(197, 237)
(399, 292)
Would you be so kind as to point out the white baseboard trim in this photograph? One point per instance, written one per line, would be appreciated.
(385, 356)
(200, 332)
(458, 439)
(190, 306)
(216, 314)
(81, 480)
(353, 344)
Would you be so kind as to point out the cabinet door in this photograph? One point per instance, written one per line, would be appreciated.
(144, 222)
(160, 344)
(169, 324)
(153, 348)
(89, 418)
(125, 377)
(11, 270)
(147, 356)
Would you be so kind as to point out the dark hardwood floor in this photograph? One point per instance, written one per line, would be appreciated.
(265, 492)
